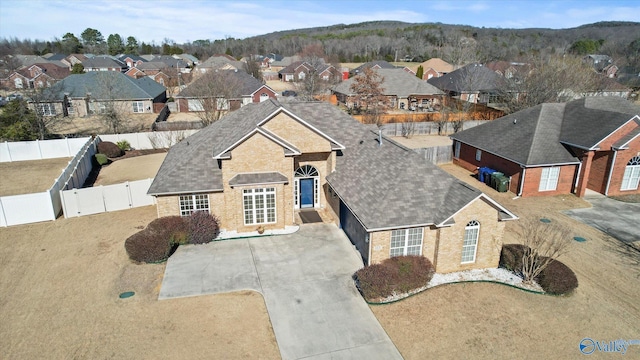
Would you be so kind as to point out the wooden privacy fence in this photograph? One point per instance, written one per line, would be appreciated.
(437, 154)
(105, 198)
(424, 128)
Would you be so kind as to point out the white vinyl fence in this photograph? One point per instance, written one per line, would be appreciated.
(40, 149)
(150, 140)
(105, 198)
(45, 206)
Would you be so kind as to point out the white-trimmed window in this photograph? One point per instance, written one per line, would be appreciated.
(456, 151)
(631, 176)
(406, 242)
(470, 243)
(17, 82)
(264, 96)
(138, 106)
(478, 155)
(191, 203)
(259, 206)
(47, 109)
(549, 178)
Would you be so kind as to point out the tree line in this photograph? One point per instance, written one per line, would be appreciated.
(369, 41)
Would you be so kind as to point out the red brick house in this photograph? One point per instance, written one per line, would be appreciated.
(35, 76)
(560, 148)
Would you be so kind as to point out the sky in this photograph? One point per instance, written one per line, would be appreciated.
(189, 20)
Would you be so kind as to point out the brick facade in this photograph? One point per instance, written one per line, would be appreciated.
(443, 246)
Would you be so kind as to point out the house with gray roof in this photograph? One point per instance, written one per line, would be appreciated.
(402, 90)
(86, 94)
(269, 165)
(104, 63)
(473, 83)
(560, 148)
(232, 88)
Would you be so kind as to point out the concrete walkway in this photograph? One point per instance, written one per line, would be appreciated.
(305, 278)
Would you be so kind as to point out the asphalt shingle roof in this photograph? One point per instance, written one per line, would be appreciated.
(98, 83)
(247, 84)
(396, 82)
(386, 186)
(469, 78)
(535, 136)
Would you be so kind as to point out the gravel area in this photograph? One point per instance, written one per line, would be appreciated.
(498, 275)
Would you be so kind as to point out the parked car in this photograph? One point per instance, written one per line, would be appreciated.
(289, 93)
(3, 101)
(15, 96)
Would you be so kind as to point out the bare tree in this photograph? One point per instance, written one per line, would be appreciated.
(252, 68)
(369, 96)
(46, 114)
(212, 94)
(443, 120)
(555, 79)
(544, 243)
(112, 112)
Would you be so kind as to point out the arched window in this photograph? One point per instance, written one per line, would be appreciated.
(306, 187)
(470, 243)
(631, 176)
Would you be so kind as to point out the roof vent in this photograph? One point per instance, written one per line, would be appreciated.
(515, 121)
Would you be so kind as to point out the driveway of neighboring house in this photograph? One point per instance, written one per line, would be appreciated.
(305, 278)
(615, 218)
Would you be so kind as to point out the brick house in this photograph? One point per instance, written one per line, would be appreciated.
(473, 83)
(35, 76)
(265, 164)
(402, 90)
(80, 95)
(560, 148)
(434, 67)
(242, 89)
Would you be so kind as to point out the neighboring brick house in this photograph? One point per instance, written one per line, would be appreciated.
(560, 148)
(402, 90)
(297, 71)
(434, 67)
(80, 95)
(265, 163)
(73, 59)
(473, 83)
(35, 76)
(220, 62)
(379, 64)
(131, 60)
(243, 89)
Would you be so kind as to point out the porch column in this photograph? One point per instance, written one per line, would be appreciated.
(584, 175)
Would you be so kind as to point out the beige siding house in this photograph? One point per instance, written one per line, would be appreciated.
(264, 164)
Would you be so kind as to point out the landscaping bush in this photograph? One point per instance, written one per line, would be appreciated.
(123, 145)
(557, 278)
(203, 227)
(101, 159)
(174, 228)
(110, 149)
(511, 257)
(148, 246)
(396, 275)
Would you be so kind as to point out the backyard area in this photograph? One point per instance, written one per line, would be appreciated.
(25, 177)
(61, 283)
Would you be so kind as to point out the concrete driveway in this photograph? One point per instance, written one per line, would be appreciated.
(615, 218)
(305, 278)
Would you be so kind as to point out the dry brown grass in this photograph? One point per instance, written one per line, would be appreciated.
(491, 321)
(26, 177)
(60, 283)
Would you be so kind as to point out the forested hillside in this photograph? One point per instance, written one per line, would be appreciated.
(378, 40)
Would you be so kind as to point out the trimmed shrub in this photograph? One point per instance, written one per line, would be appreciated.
(396, 275)
(148, 246)
(511, 257)
(110, 149)
(123, 145)
(557, 278)
(101, 159)
(203, 227)
(174, 228)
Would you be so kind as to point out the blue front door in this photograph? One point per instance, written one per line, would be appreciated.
(306, 193)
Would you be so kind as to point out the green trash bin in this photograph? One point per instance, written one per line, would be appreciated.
(502, 184)
(494, 179)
